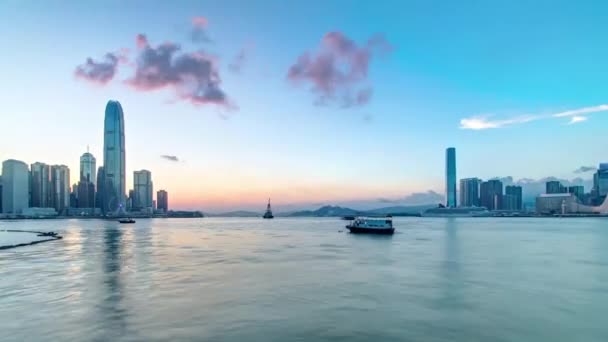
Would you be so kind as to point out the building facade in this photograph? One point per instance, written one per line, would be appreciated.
(15, 186)
(114, 159)
(555, 187)
(551, 204)
(100, 190)
(600, 180)
(450, 177)
(491, 194)
(88, 171)
(469, 192)
(513, 199)
(40, 184)
(143, 190)
(60, 188)
(162, 201)
(578, 191)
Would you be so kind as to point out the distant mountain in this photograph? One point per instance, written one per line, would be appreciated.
(335, 211)
(238, 213)
(326, 211)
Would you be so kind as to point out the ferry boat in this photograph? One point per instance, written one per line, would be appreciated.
(268, 213)
(372, 225)
(126, 220)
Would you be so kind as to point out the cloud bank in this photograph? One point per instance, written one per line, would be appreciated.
(584, 169)
(337, 72)
(481, 122)
(193, 76)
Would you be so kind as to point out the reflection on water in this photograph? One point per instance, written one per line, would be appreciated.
(302, 279)
(111, 306)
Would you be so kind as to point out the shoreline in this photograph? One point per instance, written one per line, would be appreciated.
(287, 217)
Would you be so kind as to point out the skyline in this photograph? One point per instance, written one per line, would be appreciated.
(269, 138)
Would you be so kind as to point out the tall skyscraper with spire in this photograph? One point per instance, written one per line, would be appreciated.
(88, 171)
(450, 177)
(86, 184)
(114, 159)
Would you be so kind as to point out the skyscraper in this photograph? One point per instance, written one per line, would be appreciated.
(60, 188)
(143, 190)
(513, 199)
(450, 177)
(99, 201)
(555, 187)
(114, 158)
(491, 194)
(87, 167)
(40, 185)
(86, 186)
(469, 192)
(162, 201)
(600, 180)
(15, 186)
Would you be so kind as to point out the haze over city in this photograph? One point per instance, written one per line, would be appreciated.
(315, 106)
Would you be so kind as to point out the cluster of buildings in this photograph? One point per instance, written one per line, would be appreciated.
(494, 196)
(46, 190)
(474, 192)
(559, 199)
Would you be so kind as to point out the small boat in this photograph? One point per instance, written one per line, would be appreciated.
(127, 220)
(372, 225)
(268, 213)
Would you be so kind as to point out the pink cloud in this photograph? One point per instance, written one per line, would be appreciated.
(338, 70)
(193, 76)
(141, 41)
(199, 30)
(200, 21)
(102, 71)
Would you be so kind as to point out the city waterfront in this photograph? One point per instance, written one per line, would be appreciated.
(248, 279)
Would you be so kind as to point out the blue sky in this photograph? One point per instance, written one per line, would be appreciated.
(492, 60)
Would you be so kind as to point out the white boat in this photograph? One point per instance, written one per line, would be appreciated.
(372, 225)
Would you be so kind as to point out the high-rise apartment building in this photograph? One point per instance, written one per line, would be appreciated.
(491, 194)
(469, 192)
(143, 190)
(40, 185)
(15, 186)
(60, 188)
(513, 199)
(162, 201)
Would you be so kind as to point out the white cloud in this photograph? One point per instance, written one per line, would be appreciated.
(481, 122)
(577, 119)
(586, 110)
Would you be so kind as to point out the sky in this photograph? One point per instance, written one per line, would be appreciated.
(309, 103)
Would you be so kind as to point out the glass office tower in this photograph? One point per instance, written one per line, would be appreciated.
(114, 159)
(450, 177)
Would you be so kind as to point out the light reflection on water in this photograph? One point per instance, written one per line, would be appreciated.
(301, 279)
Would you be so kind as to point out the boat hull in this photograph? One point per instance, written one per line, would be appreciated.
(361, 230)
